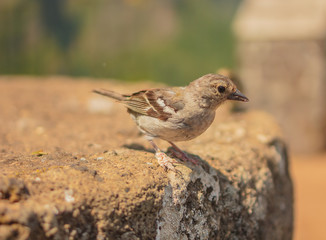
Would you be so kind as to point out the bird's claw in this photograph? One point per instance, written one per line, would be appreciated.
(165, 161)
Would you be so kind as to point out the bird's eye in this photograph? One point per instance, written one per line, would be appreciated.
(221, 89)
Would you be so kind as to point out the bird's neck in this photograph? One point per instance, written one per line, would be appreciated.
(198, 98)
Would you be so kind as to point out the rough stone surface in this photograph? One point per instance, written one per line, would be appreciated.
(71, 172)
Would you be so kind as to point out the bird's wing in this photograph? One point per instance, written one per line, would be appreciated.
(158, 103)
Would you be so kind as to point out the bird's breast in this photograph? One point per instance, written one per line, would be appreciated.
(177, 128)
(197, 124)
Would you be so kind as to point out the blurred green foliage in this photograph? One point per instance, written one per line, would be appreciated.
(173, 41)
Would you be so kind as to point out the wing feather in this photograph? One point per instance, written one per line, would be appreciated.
(158, 103)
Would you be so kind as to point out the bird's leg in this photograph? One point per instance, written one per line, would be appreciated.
(182, 155)
(164, 160)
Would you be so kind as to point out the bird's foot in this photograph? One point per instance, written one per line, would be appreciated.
(177, 152)
(182, 155)
(165, 161)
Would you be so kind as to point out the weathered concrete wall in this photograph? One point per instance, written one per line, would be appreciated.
(83, 186)
(288, 80)
(282, 60)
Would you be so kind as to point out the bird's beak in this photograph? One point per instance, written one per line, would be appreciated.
(238, 96)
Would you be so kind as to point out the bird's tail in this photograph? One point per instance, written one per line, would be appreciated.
(110, 94)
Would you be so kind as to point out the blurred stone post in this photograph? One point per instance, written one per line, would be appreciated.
(282, 56)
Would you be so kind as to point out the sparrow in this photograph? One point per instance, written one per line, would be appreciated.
(177, 113)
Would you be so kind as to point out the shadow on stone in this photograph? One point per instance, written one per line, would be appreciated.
(138, 147)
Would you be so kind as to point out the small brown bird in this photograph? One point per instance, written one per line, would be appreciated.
(177, 113)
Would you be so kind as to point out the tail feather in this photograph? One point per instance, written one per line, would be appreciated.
(110, 94)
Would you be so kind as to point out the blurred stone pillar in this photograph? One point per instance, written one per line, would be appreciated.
(282, 56)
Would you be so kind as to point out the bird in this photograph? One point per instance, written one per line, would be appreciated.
(177, 113)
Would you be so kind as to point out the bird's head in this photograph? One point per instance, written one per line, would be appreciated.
(218, 88)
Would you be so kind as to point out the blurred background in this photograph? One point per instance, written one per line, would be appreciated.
(167, 41)
(275, 48)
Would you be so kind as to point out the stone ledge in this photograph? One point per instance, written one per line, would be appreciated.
(85, 185)
(241, 190)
